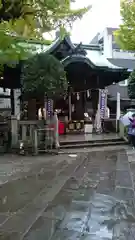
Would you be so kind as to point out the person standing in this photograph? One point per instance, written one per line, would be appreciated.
(131, 130)
(42, 113)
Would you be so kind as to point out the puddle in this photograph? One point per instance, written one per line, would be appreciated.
(72, 155)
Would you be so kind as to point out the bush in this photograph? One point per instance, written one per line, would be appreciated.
(43, 75)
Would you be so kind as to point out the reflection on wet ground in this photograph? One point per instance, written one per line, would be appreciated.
(90, 197)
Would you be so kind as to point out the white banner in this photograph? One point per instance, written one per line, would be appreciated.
(118, 106)
(118, 111)
(103, 102)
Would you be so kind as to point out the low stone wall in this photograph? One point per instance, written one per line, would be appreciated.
(123, 131)
(31, 133)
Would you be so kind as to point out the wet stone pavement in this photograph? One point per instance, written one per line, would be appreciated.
(86, 197)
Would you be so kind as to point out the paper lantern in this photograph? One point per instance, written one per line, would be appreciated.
(78, 96)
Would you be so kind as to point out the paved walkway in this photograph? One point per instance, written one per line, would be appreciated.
(86, 197)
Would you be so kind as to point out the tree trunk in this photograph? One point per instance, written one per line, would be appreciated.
(12, 102)
(32, 109)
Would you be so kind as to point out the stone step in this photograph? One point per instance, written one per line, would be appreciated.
(93, 144)
(74, 142)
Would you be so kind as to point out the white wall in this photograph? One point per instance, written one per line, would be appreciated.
(123, 54)
(109, 52)
(5, 102)
(107, 44)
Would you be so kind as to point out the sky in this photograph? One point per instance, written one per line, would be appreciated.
(104, 13)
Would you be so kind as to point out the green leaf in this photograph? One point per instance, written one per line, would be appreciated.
(125, 36)
(43, 74)
(30, 19)
(131, 85)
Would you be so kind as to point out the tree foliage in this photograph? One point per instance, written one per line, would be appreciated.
(29, 19)
(125, 36)
(43, 74)
(131, 85)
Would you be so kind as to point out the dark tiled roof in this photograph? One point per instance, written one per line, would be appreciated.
(124, 63)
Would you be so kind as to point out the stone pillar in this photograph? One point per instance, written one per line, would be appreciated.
(121, 129)
(56, 130)
(14, 131)
(17, 93)
(35, 142)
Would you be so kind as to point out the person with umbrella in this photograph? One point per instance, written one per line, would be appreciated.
(131, 130)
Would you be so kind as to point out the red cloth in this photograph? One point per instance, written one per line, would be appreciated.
(61, 128)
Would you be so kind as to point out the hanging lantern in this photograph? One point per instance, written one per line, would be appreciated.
(88, 94)
(73, 108)
(78, 96)
(106, 90)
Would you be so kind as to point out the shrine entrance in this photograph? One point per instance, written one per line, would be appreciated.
(87, 71)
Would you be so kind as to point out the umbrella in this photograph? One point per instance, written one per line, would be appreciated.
(125, 119)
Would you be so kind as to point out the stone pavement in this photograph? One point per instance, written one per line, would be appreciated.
(85, 197)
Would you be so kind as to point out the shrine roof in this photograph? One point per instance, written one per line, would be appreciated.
(57, 43)
(124, 63)
(95, 59)
(90, 54)
(93, 53)
(99, 60)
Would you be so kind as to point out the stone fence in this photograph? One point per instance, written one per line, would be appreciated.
(31, 131)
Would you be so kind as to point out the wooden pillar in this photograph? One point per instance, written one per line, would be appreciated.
(70, 105)
(12, 102)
